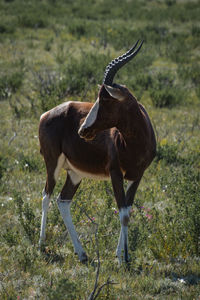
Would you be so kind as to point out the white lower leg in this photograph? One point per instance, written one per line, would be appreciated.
(119, 247)
(125, 242)
(124, 215)
(45, 206)
(64, 208)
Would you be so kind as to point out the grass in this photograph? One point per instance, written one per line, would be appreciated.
(56, 51)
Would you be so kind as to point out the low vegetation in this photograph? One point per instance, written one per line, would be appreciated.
(54, 51)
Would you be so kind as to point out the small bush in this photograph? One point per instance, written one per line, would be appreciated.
(78, 76)
(3, 165)
(33, 20)
(84, 72)
(198, 92)
(7, 27)
(195, 31)
(154, 33)
(176, 229)
(63, 288)
(165, 92)
(167, 152)
(9, 84)
(77, 29)
(48, 44)
(190, 73)
(27, 163)
(165, 97)
(170, 2)
(27, 218)
(177, 48)
(50, 88)
(11, 237)
(142, 82)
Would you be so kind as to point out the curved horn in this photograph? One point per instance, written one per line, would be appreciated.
(118, 63)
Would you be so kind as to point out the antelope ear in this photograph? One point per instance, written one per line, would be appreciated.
(114, 92)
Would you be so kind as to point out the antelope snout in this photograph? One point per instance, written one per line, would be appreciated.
(86, 133)
(81, 131)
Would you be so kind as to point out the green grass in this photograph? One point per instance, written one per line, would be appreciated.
(53, 51)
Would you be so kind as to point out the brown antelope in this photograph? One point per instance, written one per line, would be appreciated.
(112, 138)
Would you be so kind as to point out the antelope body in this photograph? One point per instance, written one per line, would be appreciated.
(111, 139)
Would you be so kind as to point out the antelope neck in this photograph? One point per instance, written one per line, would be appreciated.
(131, 121)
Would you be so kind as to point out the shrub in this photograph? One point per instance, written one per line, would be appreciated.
(33, 20)
(142, 81)
(9, 84)
(195, 31)
(78, 76)
(63, 288)
(48, 44)
(165, 97)
(26, 217)
(50, 89)
(7, 27)
(190, 73)
(81, 72)
(165, 92)
(84, 72)
(154, 33)
(11, 237)
(177, 48)
(198, 92)
(170, 2)
(175, 230)
(28, 163)
(3, 165)
(167, 152)
(189, 211)
(78, 28)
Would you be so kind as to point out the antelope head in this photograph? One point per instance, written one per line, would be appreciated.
(111, 98)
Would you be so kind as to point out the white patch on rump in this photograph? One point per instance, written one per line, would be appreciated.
(60, 165)
(92, 115)
(75, 178)
(129, 185)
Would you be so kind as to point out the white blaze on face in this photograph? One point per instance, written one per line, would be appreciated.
(92, 115)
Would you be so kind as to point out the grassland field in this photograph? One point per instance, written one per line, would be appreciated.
(54, 51)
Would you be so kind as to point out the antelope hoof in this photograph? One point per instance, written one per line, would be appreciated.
(122, 260)
(41, 243)
(41, 246)
(119, 260)
(83, 257)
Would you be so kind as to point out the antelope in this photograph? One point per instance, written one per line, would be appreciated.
(110, 139)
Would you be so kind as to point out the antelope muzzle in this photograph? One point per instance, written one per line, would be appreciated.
(86, 133)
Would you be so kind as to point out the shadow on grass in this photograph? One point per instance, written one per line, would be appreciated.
(189, 279)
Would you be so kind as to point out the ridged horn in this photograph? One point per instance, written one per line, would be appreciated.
(119, 62)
